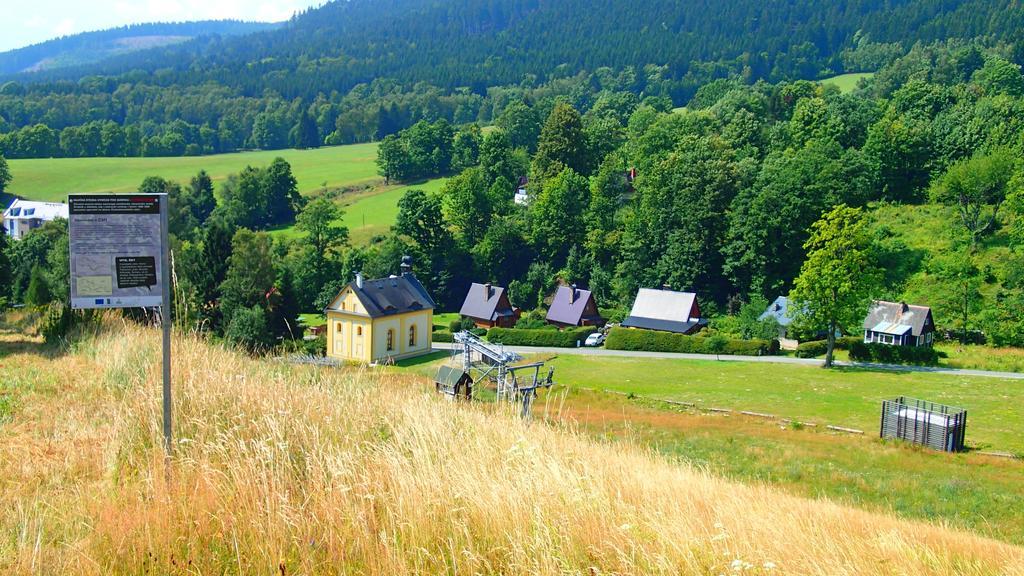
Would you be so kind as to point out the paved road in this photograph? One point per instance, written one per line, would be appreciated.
(764, 359)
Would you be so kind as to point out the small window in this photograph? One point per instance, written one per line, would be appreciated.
(337, 327)
(412, 335)
(342, 304)
(359, 331)
(391, 340)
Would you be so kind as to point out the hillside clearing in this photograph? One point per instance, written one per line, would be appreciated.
(276, 471)
(53, 179)
(847, 82)
(371, 213)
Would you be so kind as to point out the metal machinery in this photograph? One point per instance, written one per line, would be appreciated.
(483, 360)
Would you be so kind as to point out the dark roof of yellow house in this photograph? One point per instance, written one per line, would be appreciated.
(389, 296)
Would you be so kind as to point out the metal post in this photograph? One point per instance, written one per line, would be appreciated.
(165, 317)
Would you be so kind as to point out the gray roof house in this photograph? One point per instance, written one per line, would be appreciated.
(899, 324)
(488, 306)
(572, 306)
(388, 296)
(665, 310)
(779, 310)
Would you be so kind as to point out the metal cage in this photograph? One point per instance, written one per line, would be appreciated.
(926, 423)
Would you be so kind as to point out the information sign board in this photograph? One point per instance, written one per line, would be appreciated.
(116, 249)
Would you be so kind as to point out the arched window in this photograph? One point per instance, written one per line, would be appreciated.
(337, 327)
(359, 331)
(412, 335)
(391, 340)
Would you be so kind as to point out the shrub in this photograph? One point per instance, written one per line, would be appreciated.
(560, 339)
(889, 354)
(654, 341)
(249, 329)
(61, 321)
(846, 342)
(38, 293)
(816, 348)
(442, 336)
(455, 325)
(534, 320)
(811, 349)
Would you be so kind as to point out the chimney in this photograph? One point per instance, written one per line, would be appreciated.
(573, 295)
(359, 280)
(406, 266)
(487, 290)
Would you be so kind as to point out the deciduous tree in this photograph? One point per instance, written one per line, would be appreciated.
(976, 187)
(835, 281)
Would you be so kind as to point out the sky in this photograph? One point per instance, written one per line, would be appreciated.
(33, 21)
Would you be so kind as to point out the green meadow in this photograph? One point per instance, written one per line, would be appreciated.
(847, 82)
(370, 213)
(54, 178)
(849, 397)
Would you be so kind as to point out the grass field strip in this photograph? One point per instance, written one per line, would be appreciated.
(788, 421)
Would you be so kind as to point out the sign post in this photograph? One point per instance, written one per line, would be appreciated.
(120, 258)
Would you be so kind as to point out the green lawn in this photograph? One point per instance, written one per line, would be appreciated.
(312, 319)
(846, 396)
(847, 82)
(443, 319)
(55, 178)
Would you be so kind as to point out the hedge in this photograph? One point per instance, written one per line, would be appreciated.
(816, 348)
(654, 341)
(442, 336)
(553, 338)
(889, 354)
(811, 349)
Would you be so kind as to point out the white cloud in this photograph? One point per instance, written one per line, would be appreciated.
(64, 27)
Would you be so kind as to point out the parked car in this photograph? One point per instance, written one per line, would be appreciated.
(595, 339)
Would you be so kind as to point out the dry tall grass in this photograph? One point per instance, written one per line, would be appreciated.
(306, 471)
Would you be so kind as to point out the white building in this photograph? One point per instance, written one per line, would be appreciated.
(23, 216)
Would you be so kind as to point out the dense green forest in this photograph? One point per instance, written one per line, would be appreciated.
(363, 69)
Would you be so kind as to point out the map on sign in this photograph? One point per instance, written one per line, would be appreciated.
(116, 248)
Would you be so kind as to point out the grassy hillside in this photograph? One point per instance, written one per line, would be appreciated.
(912, 235)
(93, 47)
(847, 82)
(371, 212)
(54, 179)
(302, 470)
(971, 491)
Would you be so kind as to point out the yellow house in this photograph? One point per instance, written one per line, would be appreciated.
(380, 320)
